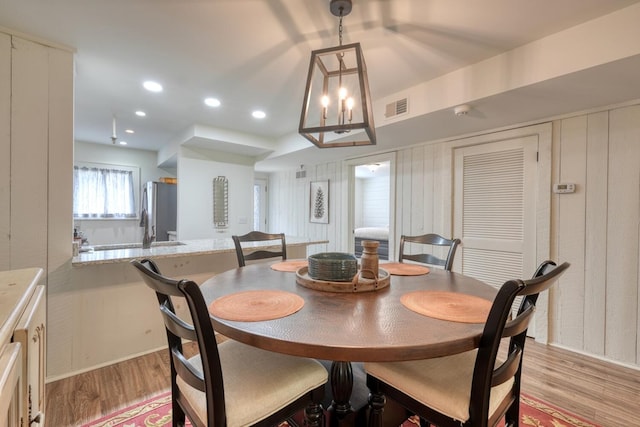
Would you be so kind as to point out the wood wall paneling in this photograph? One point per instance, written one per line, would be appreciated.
(29, 154)
(374, 197)
(405, 191)
(572, 231)
(417, 217)
(623, 215)
(595, 259)
(5, 151)
(428, 179)
(443, 190)
(60, 158)
(540, 324)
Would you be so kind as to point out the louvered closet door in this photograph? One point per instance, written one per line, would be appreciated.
(494, 209)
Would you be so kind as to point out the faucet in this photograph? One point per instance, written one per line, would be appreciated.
(146, 238)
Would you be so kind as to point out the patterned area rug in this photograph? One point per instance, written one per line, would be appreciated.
(156, 412)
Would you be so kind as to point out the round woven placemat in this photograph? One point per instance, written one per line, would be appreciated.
(255, 306)
(450, 306)
(290, 266)
(402, 269)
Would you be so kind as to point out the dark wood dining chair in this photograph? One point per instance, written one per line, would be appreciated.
(229, 383)
(258, 236)
(429, 258)
(470, 388)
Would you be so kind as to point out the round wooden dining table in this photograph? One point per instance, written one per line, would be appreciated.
(349, 327)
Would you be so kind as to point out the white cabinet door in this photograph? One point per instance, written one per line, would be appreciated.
(10, 381)
(30, 332)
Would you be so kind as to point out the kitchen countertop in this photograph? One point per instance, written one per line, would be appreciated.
(109, 254)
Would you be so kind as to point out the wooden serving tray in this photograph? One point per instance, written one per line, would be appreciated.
(358, 284)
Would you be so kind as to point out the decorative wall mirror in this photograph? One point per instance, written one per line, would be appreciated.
(220, 202)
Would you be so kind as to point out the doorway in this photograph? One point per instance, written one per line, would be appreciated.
(371, 203)
(495, 214)
(502, 208)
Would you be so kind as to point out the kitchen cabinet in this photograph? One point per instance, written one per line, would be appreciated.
(10, 382)
(30, 333)
(22, 347)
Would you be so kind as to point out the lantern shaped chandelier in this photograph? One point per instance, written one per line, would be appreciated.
(337, 102)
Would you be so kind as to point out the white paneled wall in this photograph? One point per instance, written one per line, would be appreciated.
(36, 129)
(420, 205)
(418, 187)
(374, 193)
(595, 308)
(289, 205)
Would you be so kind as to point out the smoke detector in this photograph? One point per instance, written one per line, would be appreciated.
(462, 110)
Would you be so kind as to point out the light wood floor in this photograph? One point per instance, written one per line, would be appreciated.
(603, 393)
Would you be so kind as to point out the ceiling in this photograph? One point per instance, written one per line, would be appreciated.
(253, 54)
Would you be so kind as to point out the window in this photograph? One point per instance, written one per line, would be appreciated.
(104, 191)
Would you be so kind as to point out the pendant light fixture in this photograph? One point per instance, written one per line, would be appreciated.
(337, 102)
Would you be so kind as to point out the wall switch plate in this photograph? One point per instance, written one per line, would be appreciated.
(564, 188)
(242, 220)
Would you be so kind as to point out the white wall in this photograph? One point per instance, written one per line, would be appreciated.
(100, 232)
(196, 171)
(289, 205)
(595, 308)
(375, 201)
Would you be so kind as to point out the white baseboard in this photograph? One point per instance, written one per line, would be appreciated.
(102, 365)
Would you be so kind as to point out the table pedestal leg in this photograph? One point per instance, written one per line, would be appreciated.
(341, 386)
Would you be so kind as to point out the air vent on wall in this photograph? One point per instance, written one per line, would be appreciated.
(396, 108)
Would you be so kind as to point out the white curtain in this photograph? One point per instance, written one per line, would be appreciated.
(103, 193)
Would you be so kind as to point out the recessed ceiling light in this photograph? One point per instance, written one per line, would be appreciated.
(152, 86)
(123, 142)
(259, 114)
(129, 131)
(140, 113)
(212, 102)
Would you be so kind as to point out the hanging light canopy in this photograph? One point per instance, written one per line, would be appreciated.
(337, 102)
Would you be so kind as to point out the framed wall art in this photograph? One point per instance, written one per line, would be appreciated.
(319, 202)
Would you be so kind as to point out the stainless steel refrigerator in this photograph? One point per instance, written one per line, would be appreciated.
(160, 201)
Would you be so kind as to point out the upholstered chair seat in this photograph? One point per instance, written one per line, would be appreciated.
(255, 390)
(443, 383)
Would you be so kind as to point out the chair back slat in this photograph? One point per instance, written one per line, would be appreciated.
(258, 236)
(261, 255)
(176, 325)
(429, 258)
(520, 323)
(159, 283)
(187, 371)
(425, 259)
(507, 369)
